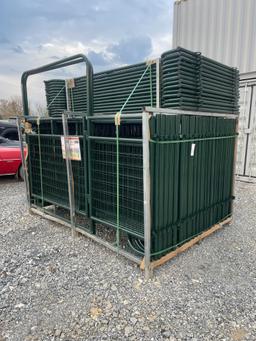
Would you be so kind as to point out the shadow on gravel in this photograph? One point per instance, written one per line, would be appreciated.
(6, 179)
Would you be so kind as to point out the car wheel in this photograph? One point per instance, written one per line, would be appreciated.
(21, 173)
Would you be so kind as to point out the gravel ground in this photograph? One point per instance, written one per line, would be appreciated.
(54, 287)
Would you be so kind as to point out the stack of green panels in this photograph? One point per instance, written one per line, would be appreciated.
(78, 95)
(191, 176)
(111, 90)
(55, 96)
(218, 87)
(191, 81)
(179, 85)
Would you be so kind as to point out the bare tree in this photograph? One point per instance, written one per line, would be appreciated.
(10, 107)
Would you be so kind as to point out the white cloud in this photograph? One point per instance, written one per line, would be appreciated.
(10, 86)
(40, 32)
(161, 44)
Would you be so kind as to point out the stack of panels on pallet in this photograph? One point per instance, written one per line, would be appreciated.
(111, 90)
(191, 81)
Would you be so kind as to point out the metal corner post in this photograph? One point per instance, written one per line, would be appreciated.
(146, 193)
(67, 95)
(158, 88)
(23, 159)
(70, 178)
(234, 167)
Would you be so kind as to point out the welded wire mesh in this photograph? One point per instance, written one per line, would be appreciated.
(190, 190)
(103, 177)
(47, 168)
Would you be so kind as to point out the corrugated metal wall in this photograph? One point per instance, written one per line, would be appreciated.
(224, 30)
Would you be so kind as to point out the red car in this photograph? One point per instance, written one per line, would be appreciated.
(10, 158)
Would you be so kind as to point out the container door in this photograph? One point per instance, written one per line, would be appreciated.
(250, 165)
(245, 103)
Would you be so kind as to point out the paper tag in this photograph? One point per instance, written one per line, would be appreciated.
(73, 148)
(193, 147)
(28, 127)
(70, 83)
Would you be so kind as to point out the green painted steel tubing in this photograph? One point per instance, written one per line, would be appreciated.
(79, 58)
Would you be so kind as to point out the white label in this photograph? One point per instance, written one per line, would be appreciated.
(73, 148)
(193, 147)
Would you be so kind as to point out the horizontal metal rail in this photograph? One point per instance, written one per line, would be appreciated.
(104, 222)
(187, 112)
(108, 245)
(114, 139)
(52, 118)
(104, 116)
(55, 203)
(55, 135)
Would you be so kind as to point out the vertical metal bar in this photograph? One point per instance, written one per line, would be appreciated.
(24, 163)
(70, 177)
(40, 161)
(89, 175)
(146, 191)
(158, 83)
(117, 188)
(67, 95)
(234, 167)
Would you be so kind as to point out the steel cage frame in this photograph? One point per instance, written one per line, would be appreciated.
(145, 116)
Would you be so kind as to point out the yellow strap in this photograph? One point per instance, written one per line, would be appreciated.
(118, 118)
(151, 61)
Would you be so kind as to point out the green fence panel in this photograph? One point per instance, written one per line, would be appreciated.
(47, 168)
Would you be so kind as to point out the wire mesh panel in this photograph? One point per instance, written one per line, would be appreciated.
(104, 178)
(47, 168)
(191, 173)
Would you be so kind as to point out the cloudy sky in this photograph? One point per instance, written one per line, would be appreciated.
(110, 32)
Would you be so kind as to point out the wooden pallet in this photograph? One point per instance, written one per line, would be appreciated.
(187, 245)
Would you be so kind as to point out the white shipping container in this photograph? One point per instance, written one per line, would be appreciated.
(224, 30)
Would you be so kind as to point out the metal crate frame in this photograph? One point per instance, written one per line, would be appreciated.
(146, 262)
